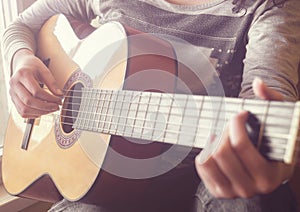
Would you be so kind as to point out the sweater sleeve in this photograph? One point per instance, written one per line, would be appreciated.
(21, 33)
(273, 49)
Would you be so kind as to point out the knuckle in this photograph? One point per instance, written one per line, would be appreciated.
(221, 192)
(239, 145)
(219, 155)
(265, 186)
(23, 112)
(22, 73)
(245, 193)
(27, 101)
(36, 93)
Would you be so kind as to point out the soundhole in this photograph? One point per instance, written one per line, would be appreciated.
(71, 107)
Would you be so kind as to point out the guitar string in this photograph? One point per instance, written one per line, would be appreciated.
(99, 120)
(269, 144)
(179, 114)
(176, 108)
(112, 116)
(109, 92)
(226, 111)
(210, 99)
(271, 126)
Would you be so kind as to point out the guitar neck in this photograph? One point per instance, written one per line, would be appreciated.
(188, 120)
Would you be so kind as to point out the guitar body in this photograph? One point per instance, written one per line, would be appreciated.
(62, 162)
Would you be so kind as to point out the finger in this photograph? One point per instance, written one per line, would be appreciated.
(264, 92)
(261, 170)
(213, 178)
(234, 170)
(47, 78)
(25, 111)
(29, 105)
(32, 85)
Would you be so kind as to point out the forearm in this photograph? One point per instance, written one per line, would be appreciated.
(21, 34)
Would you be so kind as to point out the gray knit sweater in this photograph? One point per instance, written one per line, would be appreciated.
(261, 40)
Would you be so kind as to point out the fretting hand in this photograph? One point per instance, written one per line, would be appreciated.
(236, 168)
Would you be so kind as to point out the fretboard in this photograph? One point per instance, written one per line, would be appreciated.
(188, 120)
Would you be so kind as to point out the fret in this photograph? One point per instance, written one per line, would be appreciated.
(98, 110)
(279, 114)
(291, 145)
(145, 108)
(83, 110)
(88, 117)
(170, 134)
(128, 125)
(263, 125)
(189, 122)
(102, 113)
(123, 113)
(155, 133)
(78, 119)
(172, 122)
(152, 115)
(112, 111)
(198, 142)
(94, 107)
(136, 125)
(105, 112)
(117, 111)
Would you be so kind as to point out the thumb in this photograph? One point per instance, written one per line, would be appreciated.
(263, 92)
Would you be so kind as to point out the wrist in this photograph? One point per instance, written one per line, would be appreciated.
(18, 56)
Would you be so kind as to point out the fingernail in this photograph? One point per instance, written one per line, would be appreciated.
(258, 80)
(201, 158)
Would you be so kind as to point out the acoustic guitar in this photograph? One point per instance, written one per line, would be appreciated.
(120, 108)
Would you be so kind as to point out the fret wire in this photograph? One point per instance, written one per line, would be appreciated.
(94, 107)
(262, 126)
(136, 113)
(146, 112)
(119, 116)
(101, 116)
(198, 121)
(127, 116)
(156, 116)
(98, 110)
(87, 111)
(180, 126)
(103, 109)
(113, 112)
(108, 123)
(84, 111)
(217, 118)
